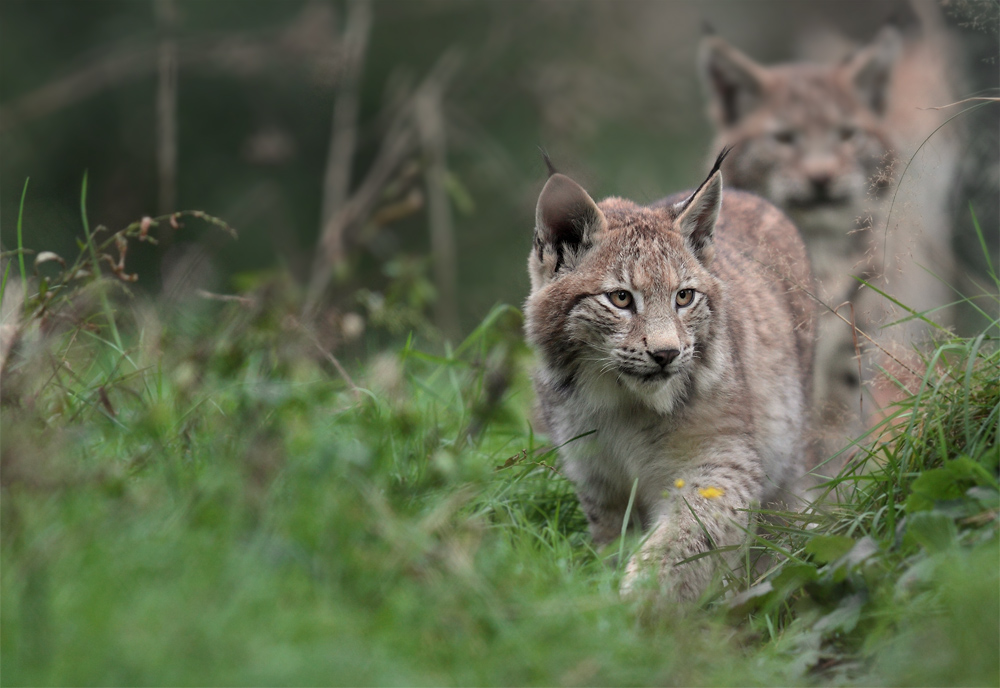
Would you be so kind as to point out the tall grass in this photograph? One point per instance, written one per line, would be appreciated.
(214, 501)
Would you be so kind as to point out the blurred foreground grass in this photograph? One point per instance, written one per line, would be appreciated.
(199, 494)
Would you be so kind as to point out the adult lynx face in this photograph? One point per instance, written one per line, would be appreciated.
(675, 345)
(809, 138)
(816, 140)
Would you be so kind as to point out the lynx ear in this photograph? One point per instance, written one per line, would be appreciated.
(700, 211)
(566, 222)
(869, 70)
(734, 82)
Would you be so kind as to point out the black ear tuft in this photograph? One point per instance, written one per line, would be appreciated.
(718, 162)
(548, 161)
(698, 214)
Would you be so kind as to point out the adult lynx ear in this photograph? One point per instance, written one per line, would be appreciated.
(734, 82)
(699, 212)
(567, 221)
(869, 70)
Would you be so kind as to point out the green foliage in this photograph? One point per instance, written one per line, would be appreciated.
(216, 500)
(878, 567)
(874, 575)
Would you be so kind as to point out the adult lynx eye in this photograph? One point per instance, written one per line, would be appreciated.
(684, 297)
(620, 298)
(847, 133)
(786, 136)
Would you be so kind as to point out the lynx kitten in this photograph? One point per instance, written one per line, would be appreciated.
(675, 349)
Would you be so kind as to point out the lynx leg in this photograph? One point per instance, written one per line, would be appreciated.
(837, 395)
(605, 511)
(710, 512)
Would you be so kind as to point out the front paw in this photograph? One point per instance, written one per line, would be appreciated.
(658, 578)
(630, 581)
(641, 575)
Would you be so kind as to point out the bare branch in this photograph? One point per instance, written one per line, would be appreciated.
(343, 135)
(397, 143)
(980, 99)
(328, 355)
(430, 123)
(111, 70)
(166, 106)
(238, 54)
(247, 301)
(330, 249)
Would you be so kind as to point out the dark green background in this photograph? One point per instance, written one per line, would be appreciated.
(607, 88)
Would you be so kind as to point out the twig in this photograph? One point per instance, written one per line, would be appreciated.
(397, 143)
(521, 459)
(963, 101)
(430, 124)
(240, 54)
(166, 106)
(343, 134)
(330, 251)
(110, 70)
(333, 361)
(248, 301)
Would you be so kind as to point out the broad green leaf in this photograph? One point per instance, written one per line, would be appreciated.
(827, 548)
(932, 530)
(938, 484)
(965, 468)
(794, 576)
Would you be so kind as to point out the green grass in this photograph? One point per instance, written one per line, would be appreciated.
(212, 502)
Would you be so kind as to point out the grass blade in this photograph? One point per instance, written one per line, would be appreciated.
(105, 304)
(628, 515)
(20, 241)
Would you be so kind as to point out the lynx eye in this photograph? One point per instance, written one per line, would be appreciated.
(620, 298)
(785, 136)
(847, 132)
(684, 297)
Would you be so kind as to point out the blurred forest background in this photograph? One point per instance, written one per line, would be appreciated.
(386, 155)
(196, 492)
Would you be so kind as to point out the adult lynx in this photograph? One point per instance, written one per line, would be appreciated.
(823, 142)
(675, 350)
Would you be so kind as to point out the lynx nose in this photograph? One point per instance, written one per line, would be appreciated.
(821, 184)
(663, 357)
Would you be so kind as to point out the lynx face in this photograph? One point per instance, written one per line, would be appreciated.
(809, 138)
(815, 140)
(633, 298)
(645, 313)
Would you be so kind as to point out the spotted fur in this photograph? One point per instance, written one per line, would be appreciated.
(709, 387)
